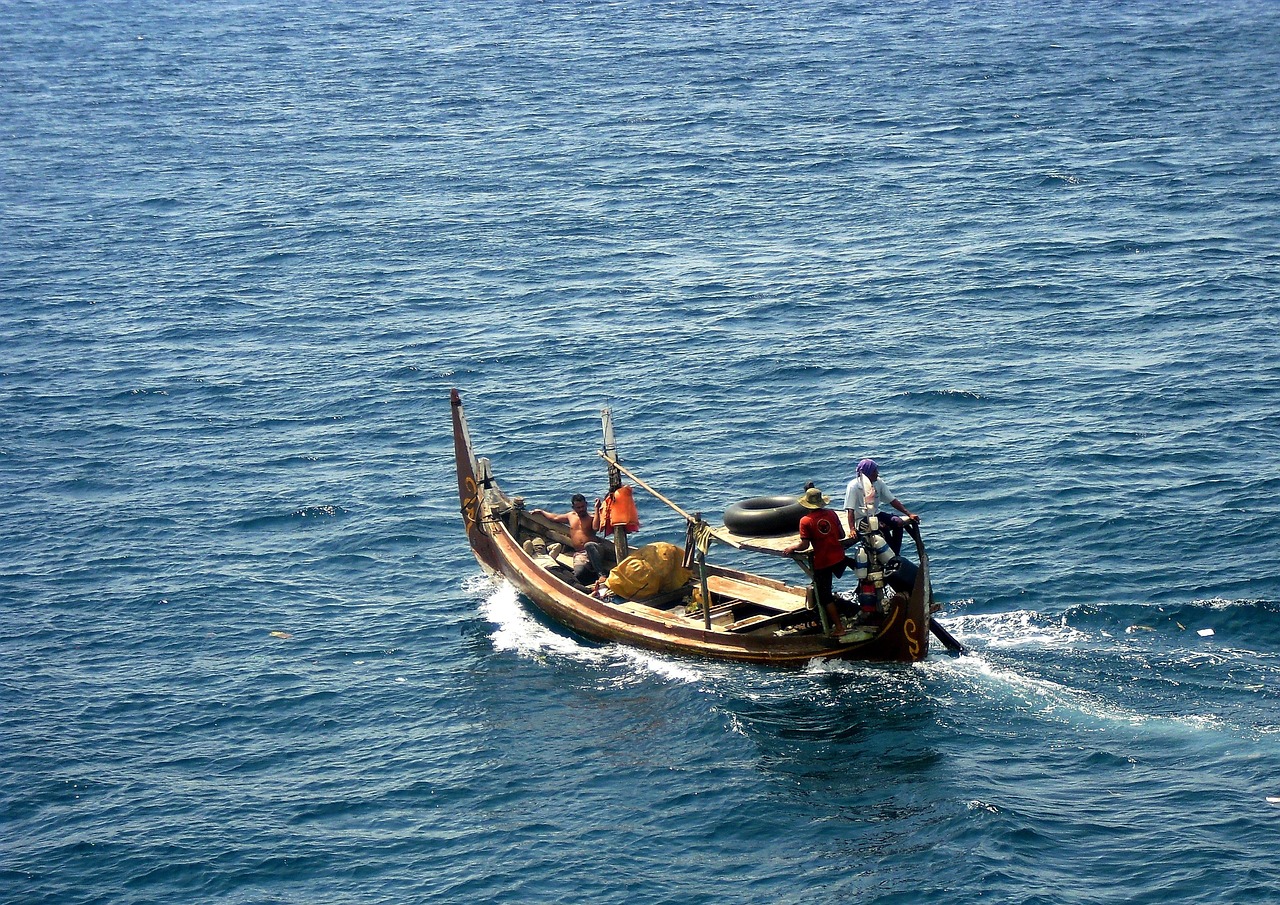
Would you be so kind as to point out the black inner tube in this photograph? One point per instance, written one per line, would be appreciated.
(763, 516)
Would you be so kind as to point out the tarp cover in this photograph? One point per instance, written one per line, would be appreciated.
(651, 570)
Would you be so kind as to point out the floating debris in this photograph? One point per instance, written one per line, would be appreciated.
(1138, 628)
(1205, 632)
(281, 635)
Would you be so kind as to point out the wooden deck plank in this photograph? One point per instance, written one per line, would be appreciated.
(785, 601)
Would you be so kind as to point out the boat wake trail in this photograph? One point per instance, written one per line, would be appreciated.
(1065, 699)
(1089, 668)
(1151, 665)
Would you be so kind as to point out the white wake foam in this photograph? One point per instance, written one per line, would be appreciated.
(519, 631)
(1019, 628)
(1053, 700)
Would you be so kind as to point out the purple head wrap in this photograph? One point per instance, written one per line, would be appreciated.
(869, 468)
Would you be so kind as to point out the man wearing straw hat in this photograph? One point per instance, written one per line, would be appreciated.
(821, 529)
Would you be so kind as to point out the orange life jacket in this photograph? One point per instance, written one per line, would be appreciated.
(620, 512)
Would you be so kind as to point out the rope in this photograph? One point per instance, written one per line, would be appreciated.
(702, 536)
(640, 482)
(614, 463)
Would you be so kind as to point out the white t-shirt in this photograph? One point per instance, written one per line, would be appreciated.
(865, 497)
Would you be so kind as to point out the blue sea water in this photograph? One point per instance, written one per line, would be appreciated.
(1023, 254)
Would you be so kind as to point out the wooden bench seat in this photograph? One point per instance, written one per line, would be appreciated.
(772, 598)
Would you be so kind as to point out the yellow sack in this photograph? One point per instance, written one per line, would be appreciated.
(652, 570)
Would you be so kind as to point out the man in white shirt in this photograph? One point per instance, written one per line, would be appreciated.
(865, 496)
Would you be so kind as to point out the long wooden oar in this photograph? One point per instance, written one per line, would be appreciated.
(614, 463)
(948, 642)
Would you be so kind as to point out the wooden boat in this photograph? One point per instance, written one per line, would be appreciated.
(718, 612)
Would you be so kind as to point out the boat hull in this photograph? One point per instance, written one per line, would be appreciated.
(902, 637)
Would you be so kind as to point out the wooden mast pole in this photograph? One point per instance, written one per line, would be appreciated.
(615, 479)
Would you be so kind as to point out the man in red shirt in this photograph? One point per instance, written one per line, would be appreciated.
(821, 529)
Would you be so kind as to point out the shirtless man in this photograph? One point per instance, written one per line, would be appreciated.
(592, 555)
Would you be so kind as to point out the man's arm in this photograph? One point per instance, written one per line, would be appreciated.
(897, 504)
(562, 519)
(799, 546)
